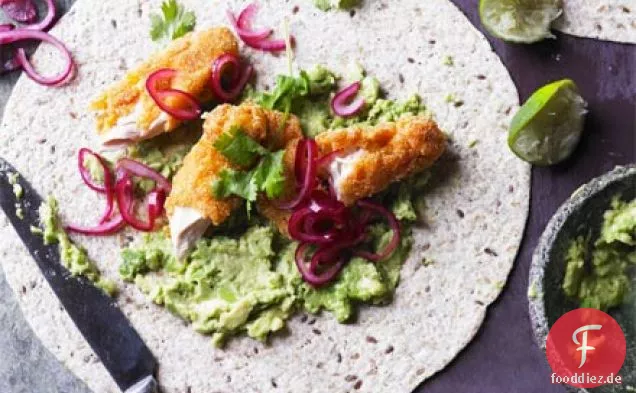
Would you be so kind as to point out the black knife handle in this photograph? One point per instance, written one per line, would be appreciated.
(146, 385)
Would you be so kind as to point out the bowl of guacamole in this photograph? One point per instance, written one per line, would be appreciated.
(586, 258)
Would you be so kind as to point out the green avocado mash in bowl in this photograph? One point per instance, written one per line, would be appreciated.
(586, 258)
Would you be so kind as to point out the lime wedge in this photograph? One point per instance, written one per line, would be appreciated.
(524, 21)
(548, 127)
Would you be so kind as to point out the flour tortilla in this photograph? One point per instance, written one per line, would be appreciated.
(611, 20)
(475, 210)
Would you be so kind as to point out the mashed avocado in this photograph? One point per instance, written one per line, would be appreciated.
(250, 284)
(308, 96)
(74, 258)
(165, 153)
(606, 282)
(17, 188)
(326, 5)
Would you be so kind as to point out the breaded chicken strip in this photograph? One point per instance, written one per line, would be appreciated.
(191, 207)
(372, 158)
(125, 111)
(379, 156)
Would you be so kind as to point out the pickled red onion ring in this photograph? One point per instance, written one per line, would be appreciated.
(306, 154)
(243, 25)
(311, 277)
(106, 188)
(47, 21)
(160, 96)
(319, 219)
(11, 36)
(23, 11)
(141, 170)
(124, 193)
(393, 224)
(109, 227)
(255, 39)
(344, 105)
(85, 173)
(267, 45)
(239, 77)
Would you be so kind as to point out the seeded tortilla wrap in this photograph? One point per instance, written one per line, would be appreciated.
(611, 20)
(476, 203)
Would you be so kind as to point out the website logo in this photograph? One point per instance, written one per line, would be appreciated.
(586, 348)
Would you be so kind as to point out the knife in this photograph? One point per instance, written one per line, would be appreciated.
(101, 322)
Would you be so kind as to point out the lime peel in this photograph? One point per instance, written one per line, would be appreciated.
(548, 127)
(521, 21)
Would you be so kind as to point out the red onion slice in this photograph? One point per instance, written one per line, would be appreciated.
(106, 228)
(85, 173)
(124, 192)
(244, 29)
(267, 45)
(310, 277)
(298, 227)
(23, 11)
(47, 21)
(11, 36)
(247, 16)
(6, 27)
(255, 39)
(106, 188)
(343, 103)
(156, 201)
(136, 168)
(161, 96)
(238, 78)
(307, 151)
(393, 224)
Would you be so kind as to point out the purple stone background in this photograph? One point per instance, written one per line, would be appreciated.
(503, 357)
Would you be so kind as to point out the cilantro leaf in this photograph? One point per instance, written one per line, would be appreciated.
(232, 182)
(267, 177)
(238, 147)
(297, 95)
(287, 90)
(269, 174)
(174, 23)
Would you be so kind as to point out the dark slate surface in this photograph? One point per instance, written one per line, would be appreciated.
(503, 358)
(25, 365)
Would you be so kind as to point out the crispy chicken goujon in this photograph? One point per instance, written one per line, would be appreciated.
(191, 207)
(125, 112)
(372, 158)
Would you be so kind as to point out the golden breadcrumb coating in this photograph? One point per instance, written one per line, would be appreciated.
(191, 55)
(391, 152)
(191, 186)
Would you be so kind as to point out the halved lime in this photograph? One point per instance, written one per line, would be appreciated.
(547, 128)
(524, 21)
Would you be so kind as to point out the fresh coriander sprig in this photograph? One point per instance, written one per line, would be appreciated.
(174, 22)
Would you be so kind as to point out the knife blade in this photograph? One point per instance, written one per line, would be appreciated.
(101, 322)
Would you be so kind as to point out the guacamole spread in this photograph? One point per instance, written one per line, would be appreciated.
(74, 258)
(326, 5)
(249, 283)
(17, 188)
(597, 273)
(308, 97)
